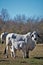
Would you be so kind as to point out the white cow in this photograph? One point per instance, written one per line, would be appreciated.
(25, 42)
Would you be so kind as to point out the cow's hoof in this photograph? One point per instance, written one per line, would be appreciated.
(27, 57)
(6, 56)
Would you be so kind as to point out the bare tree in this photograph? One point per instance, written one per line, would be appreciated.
(4, 14)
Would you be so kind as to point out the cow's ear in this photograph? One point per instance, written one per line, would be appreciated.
(32, 35)
(38, 35)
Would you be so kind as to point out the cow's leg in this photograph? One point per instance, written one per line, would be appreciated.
(24, 54)
(7, 51)
(14, 53)
(4, 51)
(11, 49)
(11, 54)
(27, 54)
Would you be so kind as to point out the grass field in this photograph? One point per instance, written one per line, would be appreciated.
(36, 57)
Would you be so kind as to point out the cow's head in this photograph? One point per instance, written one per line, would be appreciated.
(35, 36)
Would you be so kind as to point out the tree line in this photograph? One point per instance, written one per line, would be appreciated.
(20, 24)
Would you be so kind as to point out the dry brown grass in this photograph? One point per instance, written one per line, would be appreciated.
(38, 51)
(36, 57)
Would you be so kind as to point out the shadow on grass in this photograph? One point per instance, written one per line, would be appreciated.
(2, 60)
(23, 62)
(38, 57)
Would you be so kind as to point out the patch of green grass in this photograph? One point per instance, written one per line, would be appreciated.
(21, 61)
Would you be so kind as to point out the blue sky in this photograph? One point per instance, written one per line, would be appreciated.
(30, 8)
